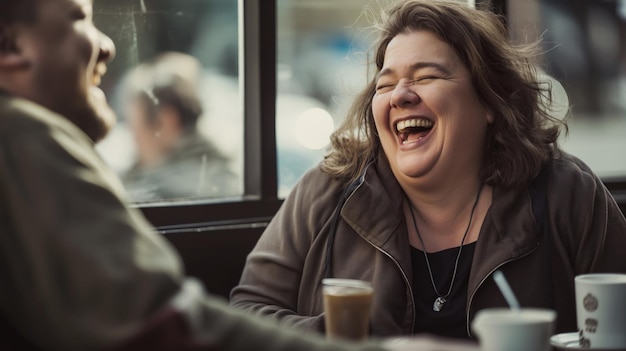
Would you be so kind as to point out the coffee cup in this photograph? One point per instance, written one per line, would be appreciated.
(347, 305)
(505, 329)
(601, 310)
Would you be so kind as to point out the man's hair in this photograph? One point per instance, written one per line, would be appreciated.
(178, 94)
(524, 134)
(171, 79)
(14, 11)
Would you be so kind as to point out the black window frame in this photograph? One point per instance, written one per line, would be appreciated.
(260, 200)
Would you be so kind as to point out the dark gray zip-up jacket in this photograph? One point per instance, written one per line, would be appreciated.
(584, 232)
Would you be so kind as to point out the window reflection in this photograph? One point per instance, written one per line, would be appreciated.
(584, 47)
(149, 157)
(322, 64)
(174, 160)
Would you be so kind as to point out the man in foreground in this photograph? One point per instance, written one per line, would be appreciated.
(81, 270)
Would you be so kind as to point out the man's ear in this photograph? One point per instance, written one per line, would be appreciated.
(170, 120)
(10, 54)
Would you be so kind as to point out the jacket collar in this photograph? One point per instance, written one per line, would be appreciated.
(374, 210)
(508, 231)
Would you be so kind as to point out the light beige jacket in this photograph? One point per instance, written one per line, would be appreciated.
(81, 270)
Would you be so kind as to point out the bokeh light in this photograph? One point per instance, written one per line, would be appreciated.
(313, 128)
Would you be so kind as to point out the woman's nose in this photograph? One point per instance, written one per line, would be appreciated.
(107, 48)
(403, 95)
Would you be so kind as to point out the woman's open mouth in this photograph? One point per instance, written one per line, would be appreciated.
(413, 129)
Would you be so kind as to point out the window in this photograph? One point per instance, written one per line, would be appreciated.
(321, 64)
(275, 65)
(584, 47)
(141, 30)
(180, 130)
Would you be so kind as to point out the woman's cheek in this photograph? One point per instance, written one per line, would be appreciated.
(378, 104)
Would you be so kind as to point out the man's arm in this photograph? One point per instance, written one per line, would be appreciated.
(81, 269)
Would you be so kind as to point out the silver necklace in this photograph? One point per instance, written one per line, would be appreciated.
(441, 299)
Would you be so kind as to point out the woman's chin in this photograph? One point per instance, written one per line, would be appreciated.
(411, 170)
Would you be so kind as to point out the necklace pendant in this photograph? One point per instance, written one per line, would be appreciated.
(438, 304)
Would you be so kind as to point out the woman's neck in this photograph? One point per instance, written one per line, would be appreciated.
(442, 218)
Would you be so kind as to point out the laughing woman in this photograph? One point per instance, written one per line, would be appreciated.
(446, 170)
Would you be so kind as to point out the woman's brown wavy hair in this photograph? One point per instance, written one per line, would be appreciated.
(524, 134)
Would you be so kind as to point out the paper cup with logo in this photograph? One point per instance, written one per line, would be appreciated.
(601, 310)
(505, 329)
(347, 305)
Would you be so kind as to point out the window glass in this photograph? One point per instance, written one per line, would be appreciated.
(174, 85)
(584, 47)
(322, 63)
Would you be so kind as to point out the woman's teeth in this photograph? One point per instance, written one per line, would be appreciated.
(413, 123)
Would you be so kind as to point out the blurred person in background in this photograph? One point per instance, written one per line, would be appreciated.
(446, 169)
(174, 159)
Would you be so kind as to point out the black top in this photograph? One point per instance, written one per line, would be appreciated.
(450, 321)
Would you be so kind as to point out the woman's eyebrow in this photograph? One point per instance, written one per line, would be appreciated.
(416, 66)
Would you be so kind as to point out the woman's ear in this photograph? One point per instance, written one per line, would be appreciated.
(10, 54)
(489, 116)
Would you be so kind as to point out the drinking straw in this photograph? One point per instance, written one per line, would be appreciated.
(506, 290)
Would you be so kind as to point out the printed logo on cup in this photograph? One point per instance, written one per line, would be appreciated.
(590, 303)
(591, 325)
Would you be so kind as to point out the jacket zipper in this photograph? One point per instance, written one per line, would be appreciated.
(467, 317)
(406, 279)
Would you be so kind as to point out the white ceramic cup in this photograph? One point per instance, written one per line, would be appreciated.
(601, 310)
(505, 329)
(347, 305)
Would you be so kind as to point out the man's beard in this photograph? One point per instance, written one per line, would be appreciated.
(95, 119)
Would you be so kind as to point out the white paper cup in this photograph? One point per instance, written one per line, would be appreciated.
(601, 310)
(347, 305)
(504, 329)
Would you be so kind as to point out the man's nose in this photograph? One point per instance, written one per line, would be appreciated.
(107, 48)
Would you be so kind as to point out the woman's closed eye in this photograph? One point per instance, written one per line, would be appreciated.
(425, 79)
(384, 86)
